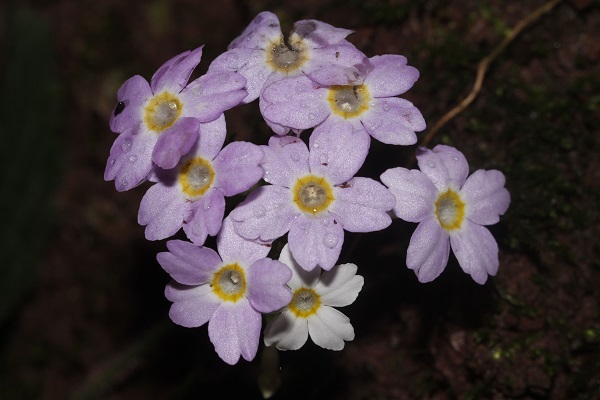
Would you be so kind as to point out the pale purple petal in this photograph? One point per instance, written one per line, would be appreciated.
(237, 167)
(128, 112)
(211, 138)
(209, 96)
(175, 73)
(259, 32)
(393, 121)
(340, 286)
(318, 33)
(285, 159)
(428, 250)
(188, 264)
(248, 63)
(316, 241)
(234, 248)
(234, 330)
(361, 205)
(390, 76)
(207, 216)
(337, 65)
(444, 165)
(177, 292)
(295, 102)
(337, 152)
(322, 335)
(266, 285)
(485, 196)
(414, 192)
(266, 214)
(336, 322)
(196, 309)
(300, 277)
(163, 211)
(175, 142)
(476, 251)
(130, 160)
(286, 332)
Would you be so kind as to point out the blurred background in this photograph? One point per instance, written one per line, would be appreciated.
(82, 311)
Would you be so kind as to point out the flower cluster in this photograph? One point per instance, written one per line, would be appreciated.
(172, 132)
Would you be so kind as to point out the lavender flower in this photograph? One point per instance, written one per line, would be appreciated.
(192, 195)
(300, 103)
(159, 122)
(311, 309)
(451, 210)
(315, 49)
(229, 290)
(314, 196)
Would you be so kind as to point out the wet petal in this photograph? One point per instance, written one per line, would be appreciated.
(162, 211)
(337, 152)
(361, 205)
(130, 160)
(428, 250)
(444, 165)
(207, 216)
(316, 241)
(237, 167)
(485, 196)
(265, 215)
(128, 112)
(476, 251)
(175, 142)
(234, 248)
(285, 159)
(259, 33)
(390, 76)
(195, 309)
(188, 264)
(393, 121)
(318, 33)
(414, 192)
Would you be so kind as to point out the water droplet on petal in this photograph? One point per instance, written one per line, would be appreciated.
(260, 211)
(316, 145)
(455, 158)
(330, 240)
(132, 158)
(324, 159)
(311, 116)
(126, 145)
(207, 205)
(112, 161)
(295, 156)
(325, 221)
(430, 164)
(386, 107)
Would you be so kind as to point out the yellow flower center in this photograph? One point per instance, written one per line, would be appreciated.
(312, 194)
(349, 101)
(450, 210)
(196, 176)
(162, 111)
(284, 58)
(305, 302)
(229, 283)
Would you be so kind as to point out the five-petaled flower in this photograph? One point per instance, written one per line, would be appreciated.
(314, 196)
(159, 122)
(311, 309)
(229, 290)
(451, 210)
(192, 195)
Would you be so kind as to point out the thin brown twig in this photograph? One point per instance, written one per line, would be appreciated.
(484, 65)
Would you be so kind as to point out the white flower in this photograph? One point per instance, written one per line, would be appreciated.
(311, 309)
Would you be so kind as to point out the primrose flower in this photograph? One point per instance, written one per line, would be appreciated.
(314, 196)
(311, 309)
(301, 103)
(229, 290)
(159, 122)
(192, 195)
(451, 210)
(314, 48)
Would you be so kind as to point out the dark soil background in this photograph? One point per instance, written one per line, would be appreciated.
(82, 310)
